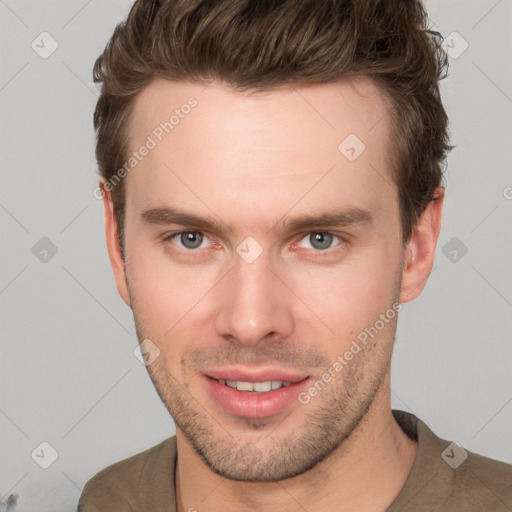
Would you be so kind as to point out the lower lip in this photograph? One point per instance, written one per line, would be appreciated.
(254, 405)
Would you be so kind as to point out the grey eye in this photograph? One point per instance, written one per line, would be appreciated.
(191, 239)
(320, 240)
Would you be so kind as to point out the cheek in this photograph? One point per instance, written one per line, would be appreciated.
(336, 300)
(350, 296)
(167, 296)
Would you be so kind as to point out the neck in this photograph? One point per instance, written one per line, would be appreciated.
(366, 473)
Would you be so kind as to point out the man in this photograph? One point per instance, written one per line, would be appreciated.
(271, 177)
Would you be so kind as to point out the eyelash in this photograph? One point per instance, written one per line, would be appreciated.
(342, 240)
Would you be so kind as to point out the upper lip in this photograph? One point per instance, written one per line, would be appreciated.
(240, 374)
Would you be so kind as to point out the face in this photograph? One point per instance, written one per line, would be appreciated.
(260, 253)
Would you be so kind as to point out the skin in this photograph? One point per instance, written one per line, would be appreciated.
(249, 161)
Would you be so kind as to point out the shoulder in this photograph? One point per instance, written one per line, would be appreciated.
(446, 476)
(125, 485)
(486, 479)
(476, 481)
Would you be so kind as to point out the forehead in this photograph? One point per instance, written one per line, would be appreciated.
(357, 105)
(262, 149)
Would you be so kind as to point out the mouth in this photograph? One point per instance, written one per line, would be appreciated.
(249, 395)
(255, 387)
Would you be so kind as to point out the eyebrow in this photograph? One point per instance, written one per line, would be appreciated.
(331, 218)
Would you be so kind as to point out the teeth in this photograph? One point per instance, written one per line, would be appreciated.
(258, 387)
(244, 386)
(262, 387)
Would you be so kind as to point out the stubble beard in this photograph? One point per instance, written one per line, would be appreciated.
(287, 450)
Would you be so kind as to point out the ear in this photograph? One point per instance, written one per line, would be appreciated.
(114, 250)
(420, 249)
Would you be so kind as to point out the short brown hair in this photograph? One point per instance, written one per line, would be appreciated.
(258, 45)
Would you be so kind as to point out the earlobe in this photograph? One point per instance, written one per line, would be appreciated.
(420, 249)
(114, 251)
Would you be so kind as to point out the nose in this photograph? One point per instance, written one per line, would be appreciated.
(254, 304)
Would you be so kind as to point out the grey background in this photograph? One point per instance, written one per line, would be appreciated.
(68, 374)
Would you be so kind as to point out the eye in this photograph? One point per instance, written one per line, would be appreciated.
(189, 239)
(319, 240)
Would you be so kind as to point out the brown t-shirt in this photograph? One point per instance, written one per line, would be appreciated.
(444, 478)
